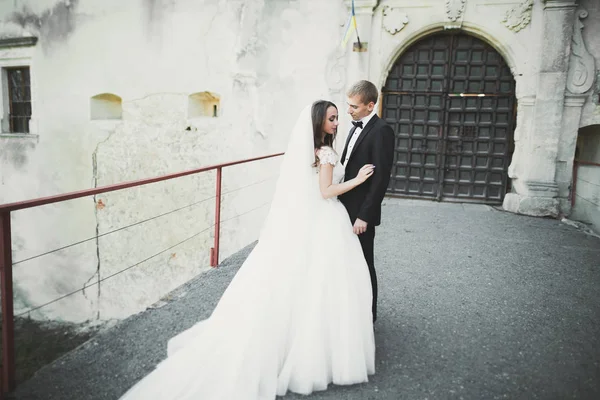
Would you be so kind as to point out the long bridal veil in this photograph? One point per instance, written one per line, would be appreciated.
(296, 316)
(296, 189)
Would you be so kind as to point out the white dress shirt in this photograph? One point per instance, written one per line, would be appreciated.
(356, 134)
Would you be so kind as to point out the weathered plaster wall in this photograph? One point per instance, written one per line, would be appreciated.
(264, 59)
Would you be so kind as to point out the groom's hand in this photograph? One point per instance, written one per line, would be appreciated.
(359, 227)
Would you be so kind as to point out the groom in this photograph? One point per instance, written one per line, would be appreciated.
(370, 141)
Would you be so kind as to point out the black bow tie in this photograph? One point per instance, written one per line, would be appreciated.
(357, 124)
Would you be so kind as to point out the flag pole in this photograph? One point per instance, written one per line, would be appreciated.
(356, 26)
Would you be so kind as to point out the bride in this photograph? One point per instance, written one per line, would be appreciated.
(297, 315)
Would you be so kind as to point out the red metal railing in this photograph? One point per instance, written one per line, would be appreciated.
(576, 165)
(7, 382)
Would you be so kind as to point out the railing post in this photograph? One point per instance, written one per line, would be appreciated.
(574, 184)
(214, 252)
(6, 287)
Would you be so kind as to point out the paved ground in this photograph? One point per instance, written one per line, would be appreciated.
(475, 304)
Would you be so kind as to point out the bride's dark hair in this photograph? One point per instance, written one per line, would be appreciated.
(319, 113)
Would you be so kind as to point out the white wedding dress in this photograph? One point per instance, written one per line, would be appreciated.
(297, 315)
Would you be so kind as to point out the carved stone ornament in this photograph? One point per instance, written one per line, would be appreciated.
(454, 9)
(519, 16)
(582, 66)
(394, 19)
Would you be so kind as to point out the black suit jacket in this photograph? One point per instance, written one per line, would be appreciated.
(375, 145)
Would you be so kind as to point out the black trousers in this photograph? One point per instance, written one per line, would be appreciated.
(367, 240)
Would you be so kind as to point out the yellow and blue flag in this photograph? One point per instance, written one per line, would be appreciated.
(350, 28)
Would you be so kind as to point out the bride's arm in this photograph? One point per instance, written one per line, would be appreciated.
(329, 190)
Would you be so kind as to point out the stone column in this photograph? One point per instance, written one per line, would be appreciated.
(536, 190)
(580, 80)
(522, 137)
(568, 141)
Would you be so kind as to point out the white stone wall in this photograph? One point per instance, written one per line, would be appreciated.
(537, 41)
(264, 59)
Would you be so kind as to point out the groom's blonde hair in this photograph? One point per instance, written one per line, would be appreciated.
(366, 90)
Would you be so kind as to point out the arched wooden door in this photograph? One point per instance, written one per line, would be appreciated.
(451, 100)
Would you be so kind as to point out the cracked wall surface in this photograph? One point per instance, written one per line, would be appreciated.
(264, 59)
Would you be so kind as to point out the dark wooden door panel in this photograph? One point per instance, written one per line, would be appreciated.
(450, 99)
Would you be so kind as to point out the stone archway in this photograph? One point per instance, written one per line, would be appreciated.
(451, 100)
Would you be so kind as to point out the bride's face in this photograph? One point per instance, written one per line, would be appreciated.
(331, 122)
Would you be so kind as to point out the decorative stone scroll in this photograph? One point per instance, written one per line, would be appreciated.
(582, 68)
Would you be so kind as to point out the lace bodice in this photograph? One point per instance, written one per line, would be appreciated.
(327, 155)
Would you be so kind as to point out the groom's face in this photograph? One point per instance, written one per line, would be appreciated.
(357, 109)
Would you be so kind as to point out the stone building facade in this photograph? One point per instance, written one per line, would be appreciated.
(472, 83)
(491, 102)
